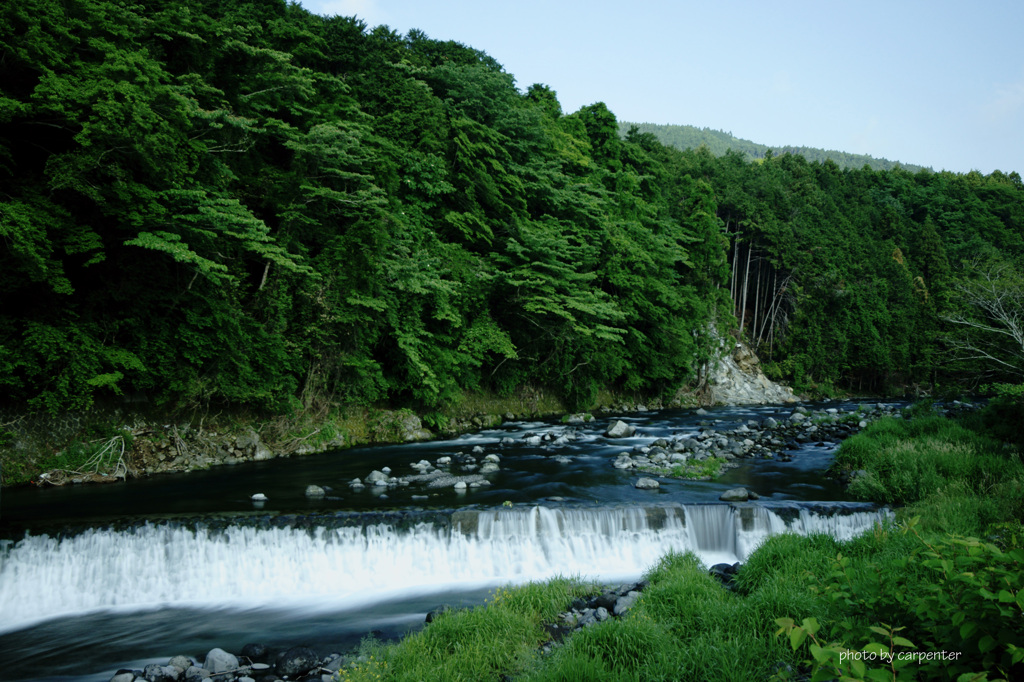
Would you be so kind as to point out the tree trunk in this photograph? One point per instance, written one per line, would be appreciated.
(735, 260)
(757, 301)
(746, 285)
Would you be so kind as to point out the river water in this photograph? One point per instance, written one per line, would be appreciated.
(96, 578)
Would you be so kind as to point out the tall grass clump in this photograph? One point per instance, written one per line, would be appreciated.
(634, 648)
(484, 643)
(957, 479)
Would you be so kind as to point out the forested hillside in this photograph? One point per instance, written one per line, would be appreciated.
(245, 203)
(719, 142)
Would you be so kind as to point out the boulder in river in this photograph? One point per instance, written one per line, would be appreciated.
(298, 660)
(377, 476)
(179, 661)
(161, 673)
(620, 429)
(256, 652)
(195, 674)
(647, 484)
(219, 661)
(735, 495)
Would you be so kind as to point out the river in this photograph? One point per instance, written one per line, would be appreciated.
(97, 578)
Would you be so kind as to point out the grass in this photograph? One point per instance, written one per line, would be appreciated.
(530, 401)
(954, 478)
(499, 637)
(704, 470)
(686, 626)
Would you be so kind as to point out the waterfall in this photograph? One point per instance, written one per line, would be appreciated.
(242, 566)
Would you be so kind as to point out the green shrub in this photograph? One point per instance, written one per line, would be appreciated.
(684, 596)
(1003, 417)
(943, 593)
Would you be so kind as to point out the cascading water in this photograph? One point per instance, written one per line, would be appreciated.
(244, 567)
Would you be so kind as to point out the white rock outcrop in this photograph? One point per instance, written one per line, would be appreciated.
(737, 379)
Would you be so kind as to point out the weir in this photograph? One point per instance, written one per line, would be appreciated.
(338, 561)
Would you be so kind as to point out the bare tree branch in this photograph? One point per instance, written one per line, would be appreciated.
(990, 326)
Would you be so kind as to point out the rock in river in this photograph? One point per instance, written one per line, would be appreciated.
(620, 429)
(735, 495)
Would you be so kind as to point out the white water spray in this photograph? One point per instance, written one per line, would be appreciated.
(245, 567)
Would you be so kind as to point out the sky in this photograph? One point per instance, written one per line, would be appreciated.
(933, 83)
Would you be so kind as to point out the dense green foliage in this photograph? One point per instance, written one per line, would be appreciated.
(958, 479)
(719, 142)
(246, 203)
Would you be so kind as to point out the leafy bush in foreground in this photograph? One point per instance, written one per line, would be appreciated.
(961, 617)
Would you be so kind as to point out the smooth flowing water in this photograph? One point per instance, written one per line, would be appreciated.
(151, 568)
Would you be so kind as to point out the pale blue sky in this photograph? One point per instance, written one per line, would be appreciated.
(934, 83)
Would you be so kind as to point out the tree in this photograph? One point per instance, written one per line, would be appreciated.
(989, 329)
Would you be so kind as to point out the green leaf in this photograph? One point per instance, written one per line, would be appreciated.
(876, 648)
(797, 637)
(172, 245)
(109, 379)
(987, 643)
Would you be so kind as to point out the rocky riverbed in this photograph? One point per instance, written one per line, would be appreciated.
(704, 455)
(115, 443)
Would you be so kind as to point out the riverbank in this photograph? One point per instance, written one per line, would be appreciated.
(115, 442)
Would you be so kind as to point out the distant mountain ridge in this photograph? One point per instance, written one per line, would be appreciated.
(719, 142)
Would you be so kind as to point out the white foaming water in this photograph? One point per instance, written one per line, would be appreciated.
(246, 567)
